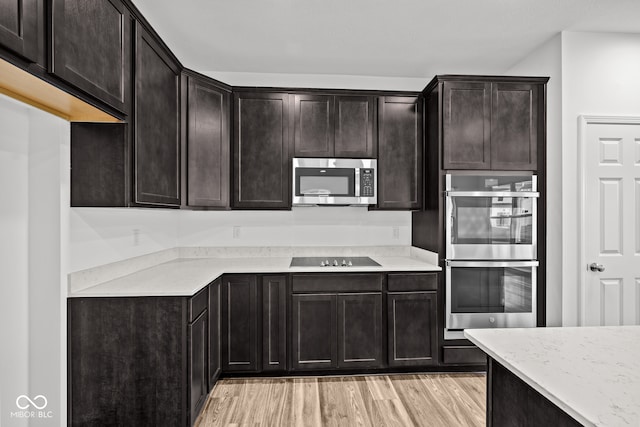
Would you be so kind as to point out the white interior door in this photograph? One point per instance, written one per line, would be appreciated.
(610, 270)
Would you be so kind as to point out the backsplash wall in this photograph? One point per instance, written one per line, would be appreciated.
(104, 235)
(304, 226)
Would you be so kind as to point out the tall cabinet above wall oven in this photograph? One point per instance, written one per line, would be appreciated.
(484, 204)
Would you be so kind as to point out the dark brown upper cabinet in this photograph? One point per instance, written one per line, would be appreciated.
(354, 126)
(514, 126)
(157, 123)
(334, 126)
(466, 125)
(261, 151)
(313, 131)
(399, 152)
(21, 26)
(91, 48)
(208, 143)
(491, 123)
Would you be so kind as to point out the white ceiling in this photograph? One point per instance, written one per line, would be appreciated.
(389, 38)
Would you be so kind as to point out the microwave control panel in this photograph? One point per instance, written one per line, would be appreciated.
(367, 182)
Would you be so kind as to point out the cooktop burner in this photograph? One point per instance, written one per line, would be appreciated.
(333, 261)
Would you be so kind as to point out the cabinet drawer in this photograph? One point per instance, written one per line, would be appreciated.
(412, 282)
(323, 282)
(463, 355)
(198, 303)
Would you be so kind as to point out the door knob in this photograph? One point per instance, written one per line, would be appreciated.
(596, 267)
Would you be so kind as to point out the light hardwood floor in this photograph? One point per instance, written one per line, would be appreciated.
(381, 400)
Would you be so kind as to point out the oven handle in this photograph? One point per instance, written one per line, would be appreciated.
(530, 194)
(452, 263)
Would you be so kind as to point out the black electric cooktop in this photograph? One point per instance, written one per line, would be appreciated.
(333, 261)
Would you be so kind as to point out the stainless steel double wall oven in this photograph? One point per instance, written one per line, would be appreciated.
(491, 252)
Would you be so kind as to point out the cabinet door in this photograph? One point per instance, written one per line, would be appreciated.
(274, 323)
(466, 125)
(400, 152)
(314, 128)
(262, 175)
(354, 123)
(127, 361)
(198, 384)
(215, 331)
(92, 48)
(411, 330)
(240, 323)
(19, 30)
(208, 144)
(514, 126)
(360, 330)
(315, 334)
(157, 115)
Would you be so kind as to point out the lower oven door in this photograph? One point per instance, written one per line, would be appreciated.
(487, 294)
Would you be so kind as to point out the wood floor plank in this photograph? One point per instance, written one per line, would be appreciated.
(393, 413)
(305, 403)
(456, 399)
(443, 390)
(381, 387)
(420, 403)
(341, 402)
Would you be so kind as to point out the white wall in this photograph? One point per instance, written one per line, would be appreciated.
(319, 81)
(103, 235)
(99, 235)
(546, 60)
(591, 74)
(34, 171)
(14, 257)
(601, 76)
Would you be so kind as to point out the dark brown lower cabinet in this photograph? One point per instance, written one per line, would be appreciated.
(136, 360)
(512, 402)
(411, 330)
(337, 331)
(315, 332)
(198, 378)
(215, 331)
(240, 323)
(360, 330)
(274, 323)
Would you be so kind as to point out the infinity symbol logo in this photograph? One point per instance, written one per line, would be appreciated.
(22, 398)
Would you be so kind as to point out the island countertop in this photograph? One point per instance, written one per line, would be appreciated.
(591, 373)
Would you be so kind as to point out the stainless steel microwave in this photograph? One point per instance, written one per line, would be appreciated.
(351, 182)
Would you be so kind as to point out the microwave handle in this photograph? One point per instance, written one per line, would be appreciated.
(357, 183)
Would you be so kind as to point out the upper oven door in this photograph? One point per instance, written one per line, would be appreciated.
(491, 217)
(333, 181)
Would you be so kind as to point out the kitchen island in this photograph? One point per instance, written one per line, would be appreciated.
(562, 376)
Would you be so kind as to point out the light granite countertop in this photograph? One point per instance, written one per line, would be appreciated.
(592, 373)
(186, 275)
